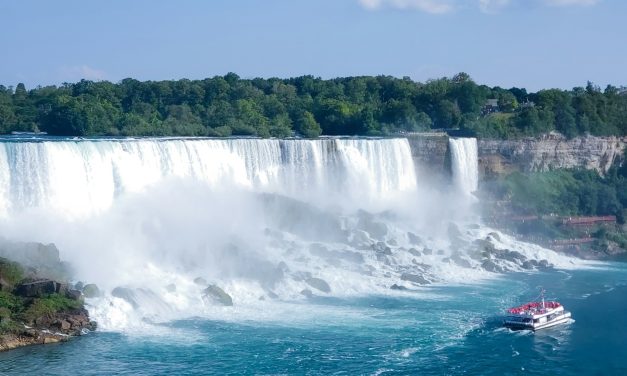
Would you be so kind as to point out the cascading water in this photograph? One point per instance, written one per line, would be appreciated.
(261, 219)
(464, 164)
(81, 178)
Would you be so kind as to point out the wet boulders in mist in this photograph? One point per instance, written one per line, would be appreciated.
(318, 284)
(414, 239)
(491, 266)
(366, 222)
(91, 290)
(216, 295)
(415, 278)
(127, 295)
(307, 293)
(302, 219)
(360, 239)
(332, 257)
(382, 249)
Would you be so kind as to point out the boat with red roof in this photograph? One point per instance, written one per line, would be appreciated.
(536, 315)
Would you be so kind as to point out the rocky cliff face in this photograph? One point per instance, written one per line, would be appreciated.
(550, 152)
(432, 156)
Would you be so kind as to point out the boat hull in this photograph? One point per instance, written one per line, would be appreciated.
(561, 319)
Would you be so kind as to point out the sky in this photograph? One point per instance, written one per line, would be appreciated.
(534, 44)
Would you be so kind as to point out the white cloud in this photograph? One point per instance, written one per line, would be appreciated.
(571, 2)
(429, 6)
(78, 72)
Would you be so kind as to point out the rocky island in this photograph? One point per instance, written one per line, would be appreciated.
(37, 304)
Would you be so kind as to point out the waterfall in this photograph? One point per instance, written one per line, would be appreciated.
(464, 164)
(84, 177)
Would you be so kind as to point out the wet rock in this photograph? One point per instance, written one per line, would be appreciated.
(513, 256)
(494, 236)
(79, 286)
(527, 265)
(170, 288)
(74, 294)
(427, 251)
(440, 252)
(415, 278)
(544, 264)
(127, 295)
(319, 284)
(360, 237)
(91, 291)
(200, 281)
(459, 260)
(398, 287)
(382, 248)
(413, 238)
(367, 223)
(217, 295)
(37, 289)
(490, 266)
(307, 293)
(393, 242)
(414, 252)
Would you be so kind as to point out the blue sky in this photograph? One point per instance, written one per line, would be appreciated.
(526, 43)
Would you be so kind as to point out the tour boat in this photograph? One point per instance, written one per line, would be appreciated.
(536, 315)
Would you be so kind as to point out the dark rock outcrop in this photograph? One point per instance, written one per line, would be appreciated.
(415, 278)
(318, 284)
(216, 295)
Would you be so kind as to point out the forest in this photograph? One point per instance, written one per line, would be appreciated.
(309, 107)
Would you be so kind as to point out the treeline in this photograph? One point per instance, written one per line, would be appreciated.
(308, 106)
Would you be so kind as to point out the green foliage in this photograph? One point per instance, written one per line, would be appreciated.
(307, 106)
(10, 271)
(564, 192)
(10, 301)
(47, 307)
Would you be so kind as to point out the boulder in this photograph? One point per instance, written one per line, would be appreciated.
(37, 289)
(217, 295)
(318, 284)
(127, 295)
(415, 278)
(367, 223)
(427, 251)
(414, 252)
(307, 293)
(74, 294)
(382, 248)
(200, 281)
(398, 287)
(490, 266)
(91, 290)
(413, 238)
(494, 236)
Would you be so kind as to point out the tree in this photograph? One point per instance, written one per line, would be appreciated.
(307, 125)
